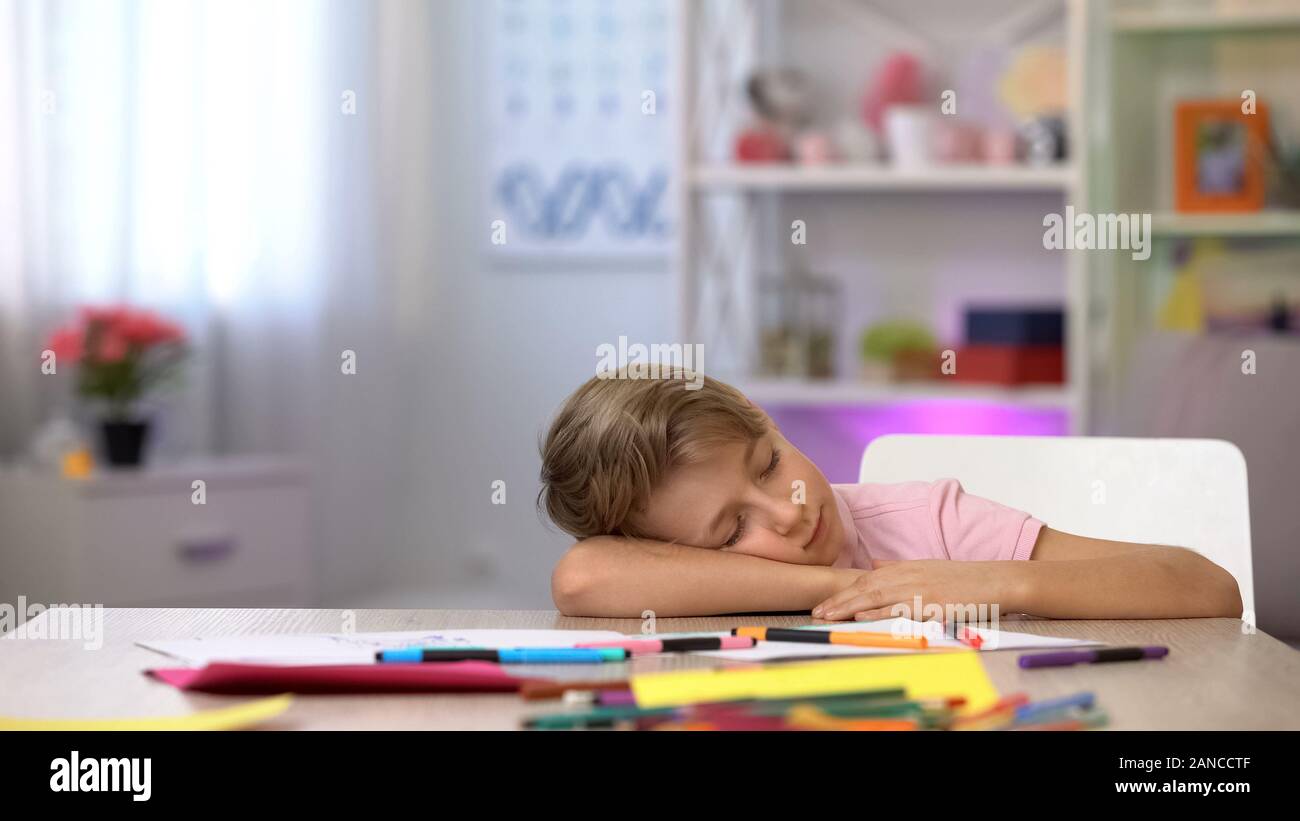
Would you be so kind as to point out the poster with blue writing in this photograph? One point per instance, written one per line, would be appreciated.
(580, 127)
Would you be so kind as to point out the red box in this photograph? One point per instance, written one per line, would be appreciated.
(1010, 364)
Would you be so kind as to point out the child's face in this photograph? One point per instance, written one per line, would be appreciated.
(762, 499)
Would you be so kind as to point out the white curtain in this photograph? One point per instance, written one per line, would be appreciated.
(202, 157)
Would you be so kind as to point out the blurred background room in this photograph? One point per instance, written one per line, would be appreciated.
(289, 291)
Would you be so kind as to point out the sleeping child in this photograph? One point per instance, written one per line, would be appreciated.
(690, 502)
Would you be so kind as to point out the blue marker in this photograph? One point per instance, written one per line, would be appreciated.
(1083, 701)
(517, 655)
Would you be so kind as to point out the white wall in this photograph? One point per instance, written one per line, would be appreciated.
(489, 353)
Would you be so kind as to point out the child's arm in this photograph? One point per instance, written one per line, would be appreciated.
(614, 577)
(1069, 577)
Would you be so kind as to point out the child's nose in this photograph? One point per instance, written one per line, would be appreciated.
(786, 516)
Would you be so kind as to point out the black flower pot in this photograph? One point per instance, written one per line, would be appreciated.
(124, 442)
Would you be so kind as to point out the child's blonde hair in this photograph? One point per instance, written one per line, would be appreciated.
(616, 437)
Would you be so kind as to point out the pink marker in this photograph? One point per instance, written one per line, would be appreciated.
(638, 646)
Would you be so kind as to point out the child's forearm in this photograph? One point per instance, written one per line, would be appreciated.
(613, 577)
(1160, 582)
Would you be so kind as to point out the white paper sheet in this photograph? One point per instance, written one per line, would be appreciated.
(932, 630)
(357, 648)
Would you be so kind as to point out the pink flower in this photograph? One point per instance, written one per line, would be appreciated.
(67, 343)
(112, 346)
(110, 315)
(146, 329)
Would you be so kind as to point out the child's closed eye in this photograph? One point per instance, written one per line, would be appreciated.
(740, 520)
(771, 466)
(740, 531)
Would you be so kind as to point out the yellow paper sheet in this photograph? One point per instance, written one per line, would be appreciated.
(240, 716)
(939, 675)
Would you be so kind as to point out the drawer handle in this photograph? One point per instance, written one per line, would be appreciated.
(206, 550)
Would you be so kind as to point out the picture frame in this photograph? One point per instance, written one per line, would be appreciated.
(1219, 156)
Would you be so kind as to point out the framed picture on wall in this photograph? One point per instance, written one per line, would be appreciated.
(578, 128)
(1219, 155)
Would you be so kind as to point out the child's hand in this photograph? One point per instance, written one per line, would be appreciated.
(874, 594)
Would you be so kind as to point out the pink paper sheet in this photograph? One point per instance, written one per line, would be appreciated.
(251, 679)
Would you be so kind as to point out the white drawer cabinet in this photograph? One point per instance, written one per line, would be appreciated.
(138, 538)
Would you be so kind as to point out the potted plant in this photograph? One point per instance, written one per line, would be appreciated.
(122, 353)
(898, 350)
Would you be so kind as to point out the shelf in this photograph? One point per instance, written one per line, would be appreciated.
(1202, 20)
(811, 393)
(1260, 224)
(783, 177)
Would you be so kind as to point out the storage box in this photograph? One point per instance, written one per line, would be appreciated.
(1011, 364)
(1015, 326)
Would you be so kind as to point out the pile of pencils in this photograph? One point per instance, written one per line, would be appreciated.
(612, 706)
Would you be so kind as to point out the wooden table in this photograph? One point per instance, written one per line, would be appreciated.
(1215, 677)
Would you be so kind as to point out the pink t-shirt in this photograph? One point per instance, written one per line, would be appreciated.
(929, 520)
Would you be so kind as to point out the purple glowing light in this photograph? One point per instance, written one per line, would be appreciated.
(834, 437)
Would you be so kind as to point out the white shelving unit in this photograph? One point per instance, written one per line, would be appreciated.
(880, 177)
(1262, 224)
(727, 213)
(1152, 55)
(1167, 20)
(845, 392)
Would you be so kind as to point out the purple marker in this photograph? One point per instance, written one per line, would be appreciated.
(1067, 657)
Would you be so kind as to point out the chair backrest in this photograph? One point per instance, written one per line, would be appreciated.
(1184, 492)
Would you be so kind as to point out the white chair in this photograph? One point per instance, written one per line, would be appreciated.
(1184, 492)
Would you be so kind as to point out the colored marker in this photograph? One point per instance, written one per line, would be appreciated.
(725, 724)
(1000, 714)
(543, 689)
(1037, 709)
(810, 717)
(853, 639)
(685, 645)
(599, 717)
(615, 698)
(1086, 721)
(966, 636)
(1065, 658)
(517, 655)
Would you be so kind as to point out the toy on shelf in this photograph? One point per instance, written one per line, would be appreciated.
(1012, 346)
(1044, 140)
(855, 143)
(1034, 85)
(780, 100)
(910, 134)
(998, 146)
(898, 81)
(815, 148)
(1283, 172)
(761, 144)
(895, 107)
(955, 141)
(797, 326)
(899, 350)
(1033, 89)
(1184, 307)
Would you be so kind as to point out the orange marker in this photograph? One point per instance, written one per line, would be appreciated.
(853, 639)
(538, 689)
(1000, 714)
(808, 717)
